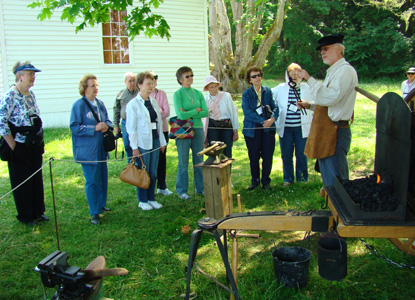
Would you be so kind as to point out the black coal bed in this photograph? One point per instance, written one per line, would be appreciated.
(383, 197)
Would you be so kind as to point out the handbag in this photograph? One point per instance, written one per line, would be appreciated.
(181, 129)
(109, 138)
(6, 153)
(267, 111)
(135, 176)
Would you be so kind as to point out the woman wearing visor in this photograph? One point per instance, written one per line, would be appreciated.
(23, 145)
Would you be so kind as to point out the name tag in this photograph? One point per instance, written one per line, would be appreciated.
(259, 110)
(292, 108)
(153, 125)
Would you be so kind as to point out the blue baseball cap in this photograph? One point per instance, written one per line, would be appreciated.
(28, 67)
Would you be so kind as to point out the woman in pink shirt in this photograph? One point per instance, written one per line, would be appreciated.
(163, 103)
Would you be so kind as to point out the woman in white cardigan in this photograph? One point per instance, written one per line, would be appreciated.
(145, 131)
(293, 125)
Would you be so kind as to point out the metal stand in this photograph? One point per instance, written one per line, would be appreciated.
(210, 224)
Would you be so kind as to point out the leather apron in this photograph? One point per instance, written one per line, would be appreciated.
(322, 139)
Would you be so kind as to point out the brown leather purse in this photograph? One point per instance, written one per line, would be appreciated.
(135, 176)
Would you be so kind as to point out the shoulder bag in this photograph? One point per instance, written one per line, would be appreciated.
(109, 138)
(181, 129)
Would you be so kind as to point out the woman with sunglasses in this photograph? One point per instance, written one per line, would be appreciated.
(409, 84)
(260, 113)
(189, 103)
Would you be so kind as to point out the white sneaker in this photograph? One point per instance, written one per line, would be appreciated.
(184, 196)
(155, 204)
(164, 192)
(145, 206)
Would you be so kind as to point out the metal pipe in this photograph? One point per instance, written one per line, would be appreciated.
(367, 94)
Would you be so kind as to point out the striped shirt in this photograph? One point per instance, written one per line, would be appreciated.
(293, 114)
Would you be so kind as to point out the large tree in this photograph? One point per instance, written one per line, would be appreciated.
(231, 53)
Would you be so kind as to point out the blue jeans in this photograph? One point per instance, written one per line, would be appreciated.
(151, 161)
(126, 141)
(293, 139)
(337, 165)
(183, 147)
(96, 185)
(262, 145)
(221, 135)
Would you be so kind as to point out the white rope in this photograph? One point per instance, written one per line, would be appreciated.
(28, 178)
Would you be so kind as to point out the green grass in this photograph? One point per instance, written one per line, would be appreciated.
(155, 251)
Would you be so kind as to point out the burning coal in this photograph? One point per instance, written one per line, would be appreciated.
(372, 194)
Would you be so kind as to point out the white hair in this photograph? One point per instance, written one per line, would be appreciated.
(342, 46)
(128, 74)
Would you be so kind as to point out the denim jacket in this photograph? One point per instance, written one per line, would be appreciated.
(249, 106)
(86, 142)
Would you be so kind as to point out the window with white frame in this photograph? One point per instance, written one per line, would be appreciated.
(115, 39)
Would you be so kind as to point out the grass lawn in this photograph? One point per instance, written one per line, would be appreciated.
(153, 248)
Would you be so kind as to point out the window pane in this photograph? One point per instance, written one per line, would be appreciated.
(125, 58)
(115, 16)
(116, 43)
(106, 29)
(107, 57)
(115, 29)
(117, 57)
(106, 43)
(124, 44)
(123, 29)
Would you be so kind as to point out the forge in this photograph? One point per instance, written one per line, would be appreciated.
(386, 197)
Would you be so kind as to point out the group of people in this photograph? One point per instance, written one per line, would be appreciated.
(313, 119)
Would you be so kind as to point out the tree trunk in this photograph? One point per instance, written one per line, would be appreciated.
(230, 62)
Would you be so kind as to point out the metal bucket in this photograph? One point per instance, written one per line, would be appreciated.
(332, 258)
(291, 266)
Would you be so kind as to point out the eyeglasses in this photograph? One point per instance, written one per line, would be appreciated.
(410, 73)
(156, 77)
(188, 76)
(93, 86)
(256, 75)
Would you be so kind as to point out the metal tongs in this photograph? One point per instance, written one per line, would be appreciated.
(293, 85)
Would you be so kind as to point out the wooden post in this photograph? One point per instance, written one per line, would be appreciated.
(218, 189)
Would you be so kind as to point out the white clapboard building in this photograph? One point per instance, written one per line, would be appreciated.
(103, 50)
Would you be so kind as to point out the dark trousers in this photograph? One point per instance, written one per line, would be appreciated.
(29, 197)
(221, 135)
(262, 145)
(161, 169)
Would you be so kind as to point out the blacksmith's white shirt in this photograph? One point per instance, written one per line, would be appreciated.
(337, 91)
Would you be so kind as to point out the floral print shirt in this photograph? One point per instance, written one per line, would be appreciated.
(17, 109)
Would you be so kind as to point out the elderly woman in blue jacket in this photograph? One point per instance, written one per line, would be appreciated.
(260, 113)
(145, 131)
(88, 146)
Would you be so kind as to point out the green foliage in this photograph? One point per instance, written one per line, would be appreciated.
(140, 19)
(376, 44)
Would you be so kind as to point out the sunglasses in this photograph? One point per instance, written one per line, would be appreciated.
(255, 76)
(410, 73)
(156, 77)
(188, 76)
